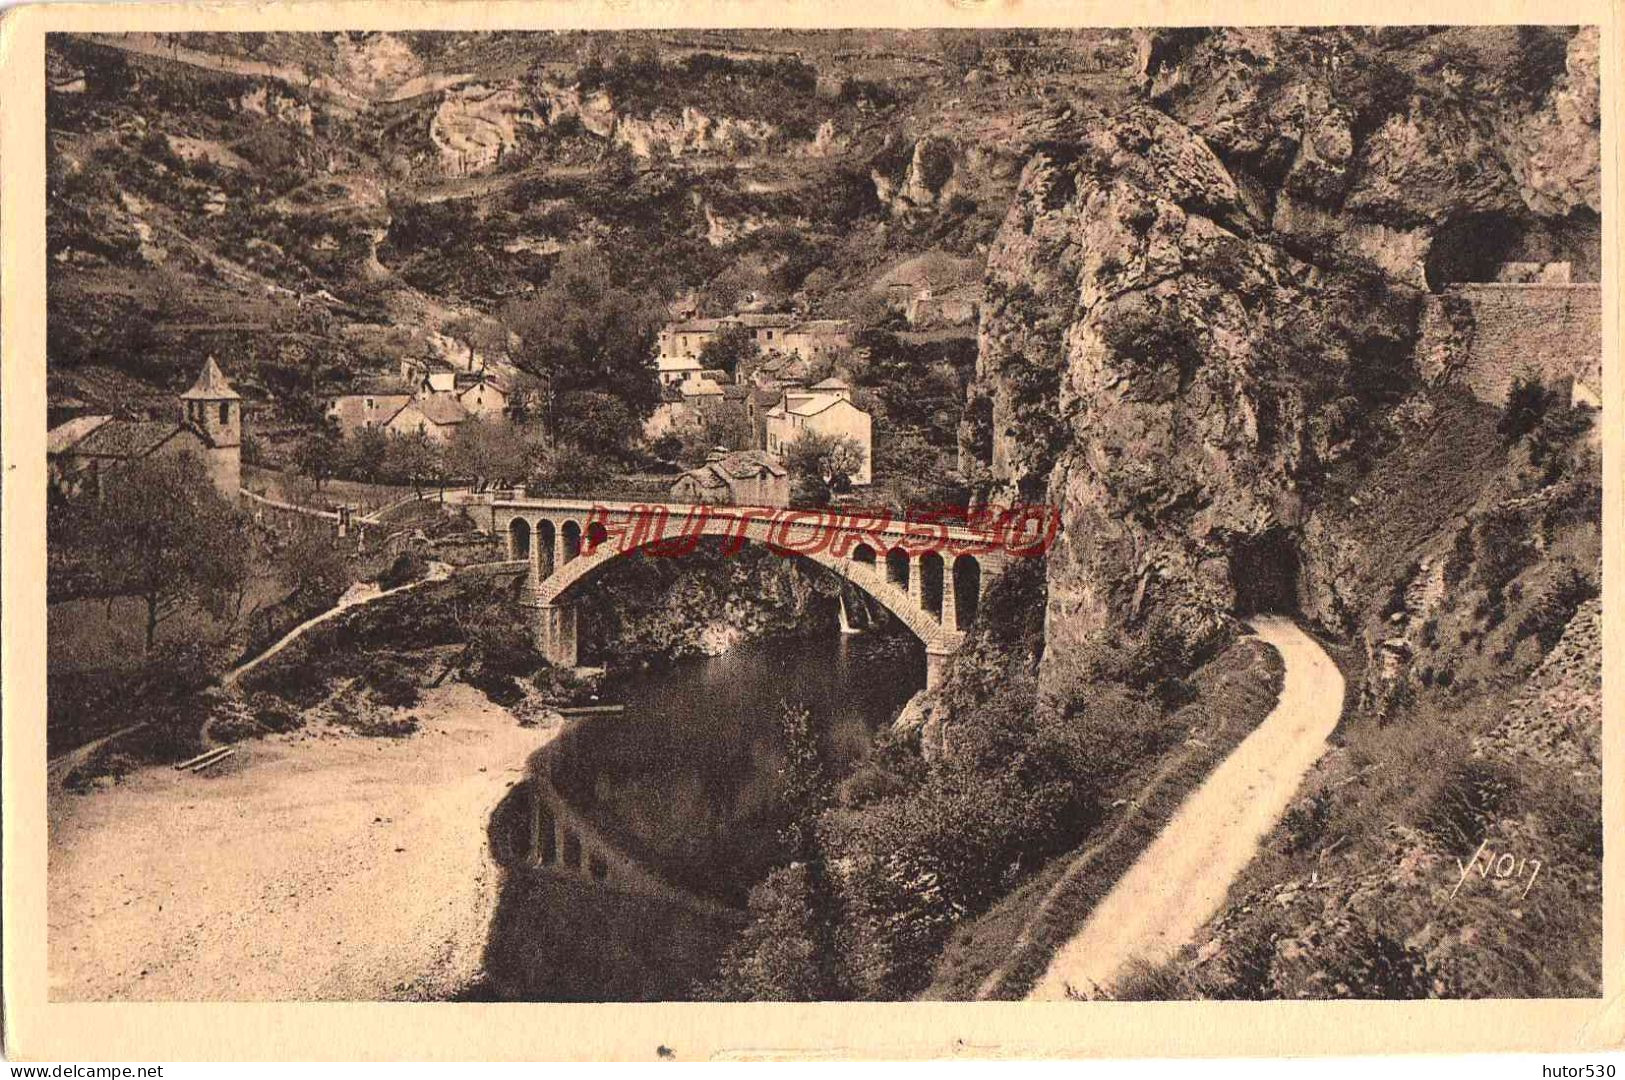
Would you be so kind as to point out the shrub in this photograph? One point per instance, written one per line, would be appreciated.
(375, 728)
(501, 688)
(1465, 801)
(1555, 607)
(274, 714)
(301, 682)
(391, 683)
(409, 566)
(1527, 405)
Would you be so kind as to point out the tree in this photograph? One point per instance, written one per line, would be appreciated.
(318, 454)
(730, 346)
(820, 464)
(483, 450)
(598, 422)
(911, 463)
(163, 534)
(364, 452)
(313, 570)
(415, 460)
(584, 332)
(776, 957)
(567, 468)
(728, 291)
(789, 952)
(1527, 404)
(805, 787)
(726, 427)
(482, 336)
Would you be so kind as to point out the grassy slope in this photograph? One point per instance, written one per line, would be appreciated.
(1017, 936)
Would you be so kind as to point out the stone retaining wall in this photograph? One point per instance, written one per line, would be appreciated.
(1484, 335)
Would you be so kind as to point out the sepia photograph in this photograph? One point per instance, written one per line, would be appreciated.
(824, 515)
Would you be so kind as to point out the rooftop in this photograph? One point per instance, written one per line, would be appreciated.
(66, 435)
(126, 438)
(737, 465)
(438, 409)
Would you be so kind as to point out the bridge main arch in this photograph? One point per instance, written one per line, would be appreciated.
(902, 567)
(556, 589)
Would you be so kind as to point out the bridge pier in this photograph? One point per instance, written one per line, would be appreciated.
(554, 632)
(936, 664)
(847, 626)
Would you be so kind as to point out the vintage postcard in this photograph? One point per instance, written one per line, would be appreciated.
(1026, 521)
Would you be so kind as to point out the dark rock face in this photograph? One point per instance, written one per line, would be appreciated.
(1375, 140)
(1195, 312)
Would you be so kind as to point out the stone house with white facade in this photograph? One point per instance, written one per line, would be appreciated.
(825, 408)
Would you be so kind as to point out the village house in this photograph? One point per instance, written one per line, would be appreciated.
(680, 343)
(757, 403)
(673, 415)
(700, 392)
(370, 406)
(958, 306)
(376, 404)
(815, 338)
(736, 478)
(825, 408)
(435, 417)
(85, 452)
(429, 375)
(483, 395)
(673, 368)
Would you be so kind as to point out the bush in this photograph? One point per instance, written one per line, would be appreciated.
(373, 727)
(1527, 405)
(502, 689)
(392, 683)
(274, 714)
(409, 566)
(301, 683)
(1555, 607)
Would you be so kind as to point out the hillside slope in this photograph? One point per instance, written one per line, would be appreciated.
(311, 207)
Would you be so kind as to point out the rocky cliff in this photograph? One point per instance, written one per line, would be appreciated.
(1201, 313)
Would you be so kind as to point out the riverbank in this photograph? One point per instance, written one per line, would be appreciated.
(319, 866)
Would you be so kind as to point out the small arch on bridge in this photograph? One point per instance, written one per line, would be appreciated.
(546, 540)
(572, 540)
(931, 583)
(967, 585)
(596, 535)
(597, 867)
(863, 553)
(897, 567)
(519, 538)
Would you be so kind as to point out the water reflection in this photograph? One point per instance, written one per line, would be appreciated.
(687, 777)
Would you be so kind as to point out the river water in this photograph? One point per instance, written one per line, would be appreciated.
(687, 778)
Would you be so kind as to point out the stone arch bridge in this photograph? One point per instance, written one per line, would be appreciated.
(930, 574)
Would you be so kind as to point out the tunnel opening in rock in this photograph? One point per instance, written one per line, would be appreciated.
(1471, 248)
(1515, 249)
(1264, 574)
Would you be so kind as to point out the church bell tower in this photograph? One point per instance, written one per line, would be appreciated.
(216, 410)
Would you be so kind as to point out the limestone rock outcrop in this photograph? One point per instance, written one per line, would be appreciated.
(1196, 310)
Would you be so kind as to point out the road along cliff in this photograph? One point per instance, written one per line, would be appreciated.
(1181, 879)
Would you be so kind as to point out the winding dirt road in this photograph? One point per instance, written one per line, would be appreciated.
(1180, 881)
